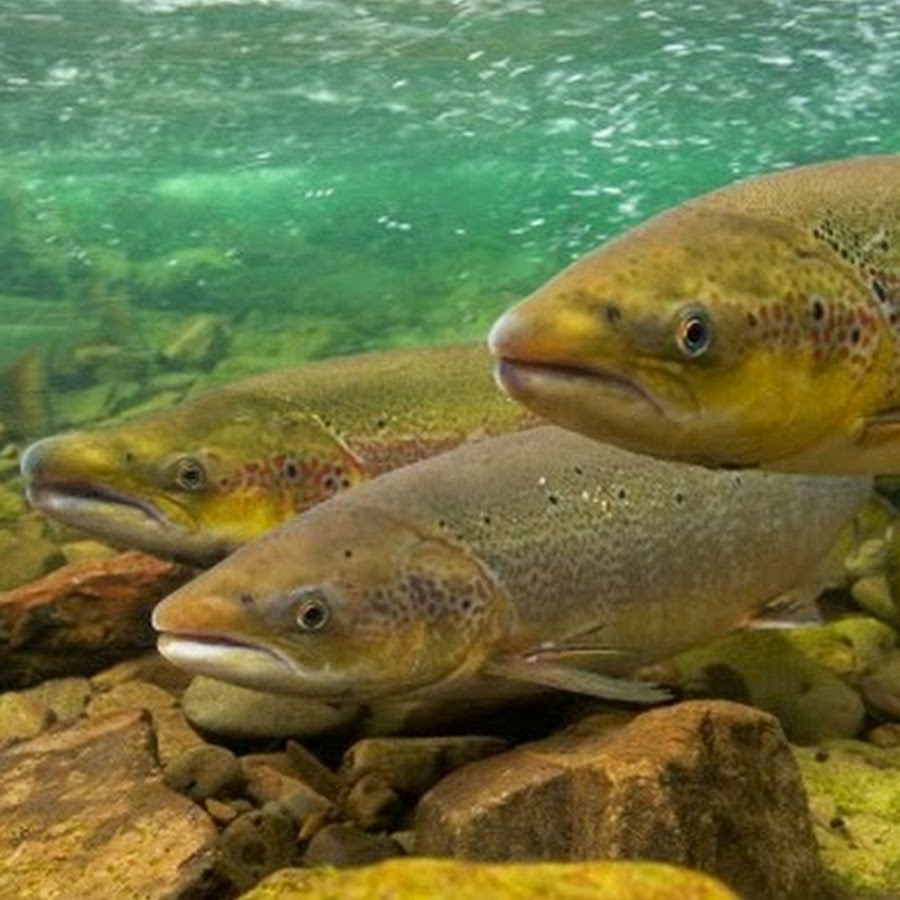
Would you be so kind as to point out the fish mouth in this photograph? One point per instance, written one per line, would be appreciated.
(231, 659)
(78, 500)
(519, 378)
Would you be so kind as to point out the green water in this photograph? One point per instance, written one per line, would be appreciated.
(332, 176)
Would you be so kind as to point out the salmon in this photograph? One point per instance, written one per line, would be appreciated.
(758, 325)
(531, 561)
(197, 480)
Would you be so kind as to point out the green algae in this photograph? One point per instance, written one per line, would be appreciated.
(766, 670)
(854, 796)
(431, 879)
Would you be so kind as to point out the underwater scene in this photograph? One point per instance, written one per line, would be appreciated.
(305, 593)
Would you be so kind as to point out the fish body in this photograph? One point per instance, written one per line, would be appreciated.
(198, 479)
(758, 325)
(536, 558)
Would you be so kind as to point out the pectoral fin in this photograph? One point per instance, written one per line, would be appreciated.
(883, 428)
(578, 681)
(797, 609)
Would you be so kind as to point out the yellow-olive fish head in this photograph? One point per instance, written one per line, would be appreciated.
(709, 335)
(150, 485)
(346, 608)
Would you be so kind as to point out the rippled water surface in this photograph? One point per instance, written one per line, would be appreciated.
(328, 176)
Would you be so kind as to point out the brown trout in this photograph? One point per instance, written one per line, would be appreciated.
(198, 479)
(758, 325)
(540, 558)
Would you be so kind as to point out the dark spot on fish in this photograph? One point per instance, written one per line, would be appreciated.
(752, 321)
(348, 553)
(679, 498)
(821, 756)
(552, 499)
(291, 470)
(381, 423)
(818, 310)
(612, 313)
(247, 600)
(486, 519)
(338, 470)
(578, 470)
(621, 493)
(129, 456)
(442, 523)
(836, 822)
(855, 336)
(879, 291)
(345, 482)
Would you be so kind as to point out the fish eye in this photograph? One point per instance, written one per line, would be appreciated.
(313, 612)
(190, 474)
(694, 332)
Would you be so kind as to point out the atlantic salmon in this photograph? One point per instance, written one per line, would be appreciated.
(198, 479)
(758, 325)
(535, 560)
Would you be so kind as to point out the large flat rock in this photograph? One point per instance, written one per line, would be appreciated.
(707, 784)
(85, 814)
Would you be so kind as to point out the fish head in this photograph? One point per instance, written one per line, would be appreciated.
(705, 335)
(343, 607)
(146, 485)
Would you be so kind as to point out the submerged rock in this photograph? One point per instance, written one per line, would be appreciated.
(854, 795)
(82, 617)
(342, 845)
(86, 812)
(881, 689)
(706, 783)
(237, 712)
(25, 558)
(769, 671)
(431, 879)
(255, 844)
(412, 765)
(201, 341)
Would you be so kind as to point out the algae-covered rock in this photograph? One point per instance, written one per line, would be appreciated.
(881, 689)
(429, 879)
(767, 670)
(25, 558)
(182, 277)
(201, 342)
(849, 647)
(854, 795)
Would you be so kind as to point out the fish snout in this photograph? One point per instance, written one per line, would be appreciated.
(34, 460)
(190, 610)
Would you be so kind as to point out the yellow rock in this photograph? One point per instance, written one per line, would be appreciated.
(430, 879)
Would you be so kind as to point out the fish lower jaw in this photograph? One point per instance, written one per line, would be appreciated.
(525, 380)
(74, 501)
(230, 660)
